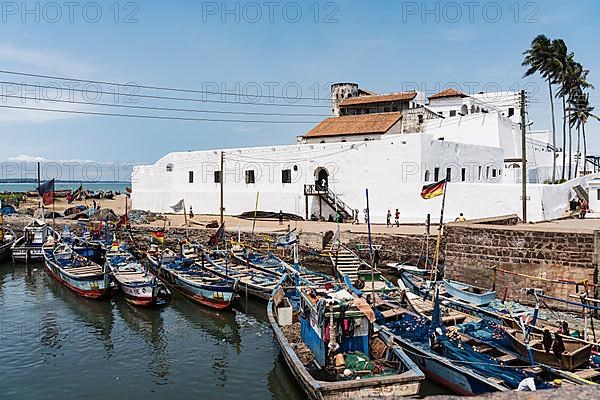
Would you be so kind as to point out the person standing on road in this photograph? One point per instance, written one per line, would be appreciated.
(397, 221)
(389, 218)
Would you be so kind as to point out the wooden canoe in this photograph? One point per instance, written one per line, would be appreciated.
(575, 355)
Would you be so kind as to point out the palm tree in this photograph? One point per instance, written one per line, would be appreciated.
(561, 63)
(540, 58)
(583, 111)
(574, 83)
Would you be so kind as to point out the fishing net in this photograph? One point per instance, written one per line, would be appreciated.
(417, 330)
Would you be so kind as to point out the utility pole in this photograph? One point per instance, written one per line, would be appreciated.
(523, 158)
(222, 179)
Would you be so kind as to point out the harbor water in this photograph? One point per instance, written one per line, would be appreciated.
(57, 344)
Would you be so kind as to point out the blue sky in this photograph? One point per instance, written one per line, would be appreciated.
(384, 46)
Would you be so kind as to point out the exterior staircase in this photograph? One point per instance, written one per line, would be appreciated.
(345, 261)
(331, 199)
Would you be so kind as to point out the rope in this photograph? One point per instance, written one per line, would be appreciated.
(537, 278)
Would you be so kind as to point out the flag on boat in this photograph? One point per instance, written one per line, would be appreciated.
(219, 236)
(78, 192)
(179, 206)
(434, 190)
(158, 235)
(46, 190)
(287, 240)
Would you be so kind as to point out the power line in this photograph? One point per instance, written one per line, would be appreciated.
(151, 87)
(164, 108)
(152, 116)
(169, 97)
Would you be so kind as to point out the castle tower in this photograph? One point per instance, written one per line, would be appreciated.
(339, 92)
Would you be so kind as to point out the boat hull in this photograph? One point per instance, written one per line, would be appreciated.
(94, 287)
(144, 295)
(5, 250)
(457, 289)
(445, 373)
(26, 254)
(217, 297)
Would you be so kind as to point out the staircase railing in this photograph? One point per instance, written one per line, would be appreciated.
(330, 197)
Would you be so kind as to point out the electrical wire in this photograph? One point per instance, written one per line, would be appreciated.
(159, 117)
(151, 87)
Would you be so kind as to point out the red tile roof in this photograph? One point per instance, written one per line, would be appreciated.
(355, 125)
(451, 92)
(380, 98)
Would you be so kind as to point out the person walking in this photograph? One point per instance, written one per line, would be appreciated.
(356, 218)
(397, 221)
(191, 213)
(366, 212)
(280, 217)
(389, 218)
(583, 208)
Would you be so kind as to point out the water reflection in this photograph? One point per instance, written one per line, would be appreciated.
(96, 314)
(148, 322)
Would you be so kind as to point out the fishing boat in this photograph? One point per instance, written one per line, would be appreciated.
(83, 276)
(7, 238)
(469, 293)
(28, 248)
(189, 279)
(363, 366)
(139, 287)
(256, 283)
(270, 263)
(575, 354)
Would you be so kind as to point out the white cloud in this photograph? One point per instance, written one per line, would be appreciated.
(47, 60)
(27, 158)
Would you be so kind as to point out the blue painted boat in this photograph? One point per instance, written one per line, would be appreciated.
(469, 293)
(189, 279)
(322, 313)
(83, 276)
(270, 263)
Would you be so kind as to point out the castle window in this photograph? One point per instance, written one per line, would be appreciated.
(191, 176)
(250, 176)
(479, 173)
(420, 117)
(463, 175)
(427, 176)
(436, 174)
(217, 176)
(511, 111)
(169, 167)
(453, 113)
(449, 174)
(286, 176)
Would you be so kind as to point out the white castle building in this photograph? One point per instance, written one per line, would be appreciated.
(391, 144)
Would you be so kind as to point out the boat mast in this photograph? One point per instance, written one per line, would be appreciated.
(370, 247)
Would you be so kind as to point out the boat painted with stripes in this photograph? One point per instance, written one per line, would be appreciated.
(138, 285)
(81, 275)
(189, 279)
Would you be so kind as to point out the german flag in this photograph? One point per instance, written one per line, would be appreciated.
(434, 190)
(158, 235)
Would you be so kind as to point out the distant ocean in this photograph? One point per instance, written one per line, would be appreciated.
(94, 186)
